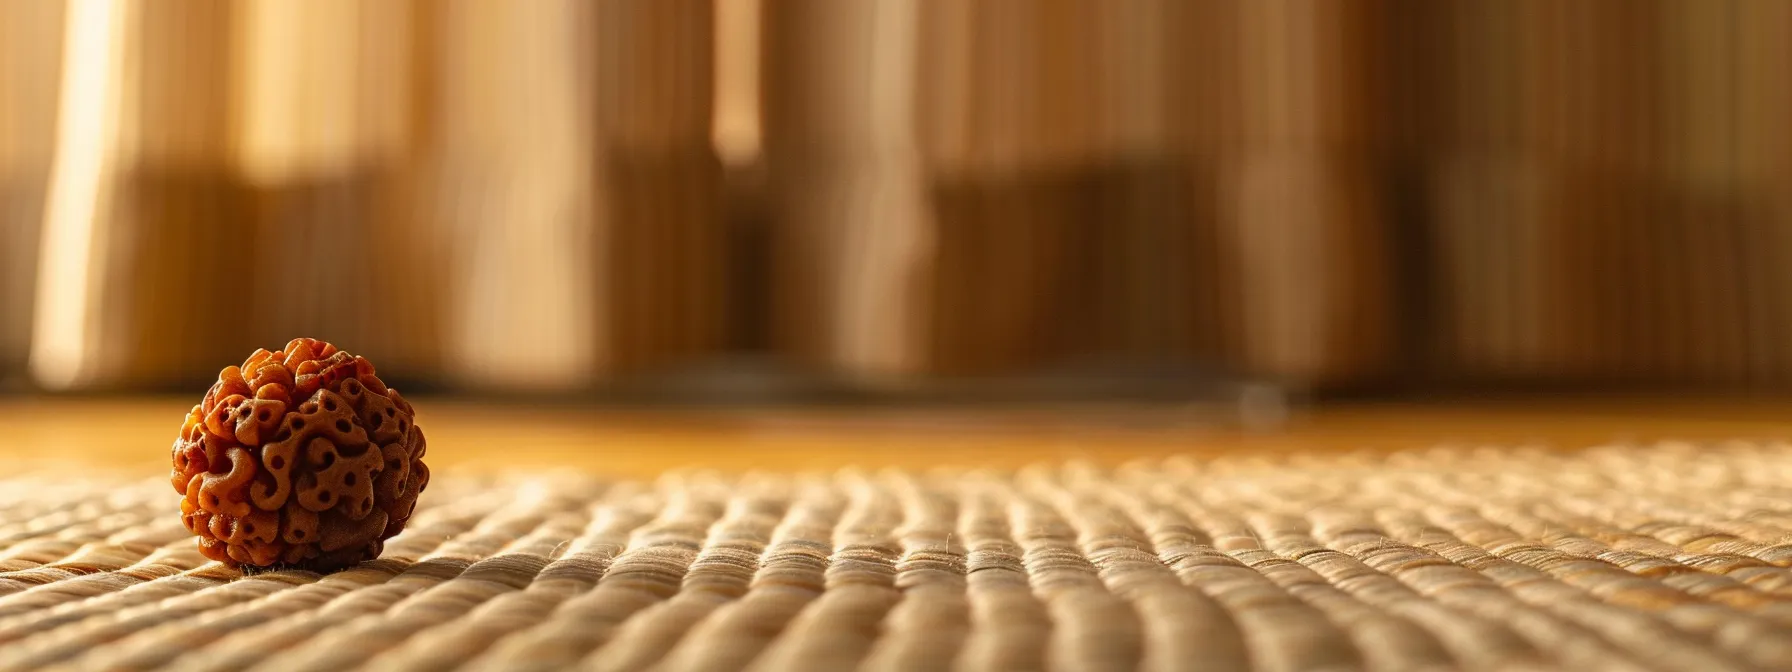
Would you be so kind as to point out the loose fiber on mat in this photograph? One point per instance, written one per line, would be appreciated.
(1670, 557)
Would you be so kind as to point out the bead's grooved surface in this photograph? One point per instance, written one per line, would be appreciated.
(300, 458)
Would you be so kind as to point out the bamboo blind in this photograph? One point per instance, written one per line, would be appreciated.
(1344, 194)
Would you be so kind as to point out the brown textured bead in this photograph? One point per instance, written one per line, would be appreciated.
(301, 458)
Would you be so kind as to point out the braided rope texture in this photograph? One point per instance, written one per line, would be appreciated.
(1664, 557)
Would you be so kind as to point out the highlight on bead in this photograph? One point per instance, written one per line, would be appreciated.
(301, 458)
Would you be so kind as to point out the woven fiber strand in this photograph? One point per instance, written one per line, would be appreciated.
(1666, 557)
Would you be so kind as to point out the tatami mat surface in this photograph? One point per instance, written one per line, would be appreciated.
(1669, 557)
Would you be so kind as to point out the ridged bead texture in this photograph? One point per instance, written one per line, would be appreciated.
(301, 458)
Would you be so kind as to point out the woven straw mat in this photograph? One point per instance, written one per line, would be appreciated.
(1670, 557)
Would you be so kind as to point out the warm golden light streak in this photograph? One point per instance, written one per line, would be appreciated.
(86, 121)
(735, 127)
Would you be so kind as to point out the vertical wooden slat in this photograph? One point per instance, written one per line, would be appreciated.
(1699, 160)
(663, 237)
(512, 185)
(578, 179)
(1205, 71)
(1762, 45)
(150, 291)
(1146, 266)
(1014, 160)
(1303, 203)
(853, 234)
(323, 97)
(30, 63)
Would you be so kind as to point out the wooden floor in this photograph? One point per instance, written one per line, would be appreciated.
(134, 433)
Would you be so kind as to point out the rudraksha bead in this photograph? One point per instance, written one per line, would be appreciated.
(301, 458)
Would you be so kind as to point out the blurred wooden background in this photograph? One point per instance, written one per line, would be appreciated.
(555, 194)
